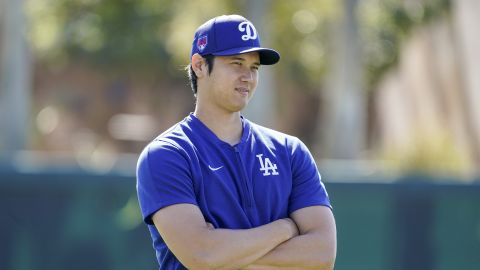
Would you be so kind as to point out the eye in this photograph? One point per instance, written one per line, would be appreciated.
(255, 67)
(237, 63)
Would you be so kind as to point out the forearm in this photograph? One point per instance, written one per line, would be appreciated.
(234, 249)
(308, 251)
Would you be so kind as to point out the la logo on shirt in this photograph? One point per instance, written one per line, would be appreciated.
(266, 166)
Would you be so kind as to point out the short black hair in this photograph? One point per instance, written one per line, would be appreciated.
(192, 77)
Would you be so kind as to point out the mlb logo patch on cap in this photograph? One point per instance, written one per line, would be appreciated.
(202, 43)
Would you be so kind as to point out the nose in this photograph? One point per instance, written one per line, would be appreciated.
(248, 76)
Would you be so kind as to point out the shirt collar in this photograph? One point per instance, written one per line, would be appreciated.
(207, 133)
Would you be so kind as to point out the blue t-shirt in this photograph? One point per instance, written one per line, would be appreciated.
(265, 177)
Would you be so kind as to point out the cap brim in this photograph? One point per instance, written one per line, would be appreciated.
(267, 56)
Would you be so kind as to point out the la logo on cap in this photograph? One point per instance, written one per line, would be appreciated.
(249, 29)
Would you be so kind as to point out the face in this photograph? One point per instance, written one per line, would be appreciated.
(232, 82)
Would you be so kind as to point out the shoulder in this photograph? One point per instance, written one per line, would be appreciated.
(275, 137)
(174, 141)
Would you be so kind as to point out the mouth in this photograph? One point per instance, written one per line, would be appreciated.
(242, 90)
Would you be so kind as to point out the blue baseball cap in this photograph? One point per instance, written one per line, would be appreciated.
(231, 35)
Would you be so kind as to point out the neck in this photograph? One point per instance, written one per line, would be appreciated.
(226, 126)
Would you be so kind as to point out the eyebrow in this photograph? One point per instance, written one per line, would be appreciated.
(243, 59)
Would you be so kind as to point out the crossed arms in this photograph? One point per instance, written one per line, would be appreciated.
(306, 241)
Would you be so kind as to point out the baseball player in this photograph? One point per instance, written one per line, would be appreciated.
(220, 192)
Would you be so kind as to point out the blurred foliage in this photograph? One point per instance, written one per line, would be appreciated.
(301, 33)
(158, 33)
(385, 24)
(118, 33)
(435, 154)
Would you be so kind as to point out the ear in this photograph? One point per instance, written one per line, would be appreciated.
(199, 66)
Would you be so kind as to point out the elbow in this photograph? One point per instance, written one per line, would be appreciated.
(324, 263)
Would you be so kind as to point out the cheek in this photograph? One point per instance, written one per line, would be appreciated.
(225, 78)
(255, 82)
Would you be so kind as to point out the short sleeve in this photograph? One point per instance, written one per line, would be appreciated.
(307, 187)
(163, 178)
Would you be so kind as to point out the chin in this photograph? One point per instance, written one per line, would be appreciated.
(239, 108)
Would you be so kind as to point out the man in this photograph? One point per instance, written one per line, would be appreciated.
(220, 192)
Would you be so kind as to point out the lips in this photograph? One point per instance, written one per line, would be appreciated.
(242, 90)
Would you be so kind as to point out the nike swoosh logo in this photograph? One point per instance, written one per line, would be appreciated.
(214, 169)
